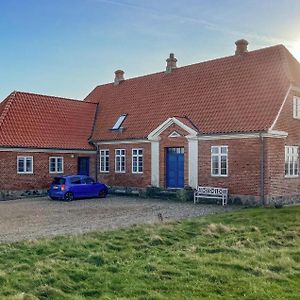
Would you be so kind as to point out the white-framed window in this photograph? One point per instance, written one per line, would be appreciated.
(219, 161)
(137, 161)
(25, 164)
(120, 166)
(104, 160)
(56, 164)
(291, 161)
(296, 107)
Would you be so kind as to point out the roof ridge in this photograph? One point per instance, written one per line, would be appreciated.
(192, 64)
(7, 105)
(51, 96)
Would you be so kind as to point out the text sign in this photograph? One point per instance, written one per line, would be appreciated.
(212, 191)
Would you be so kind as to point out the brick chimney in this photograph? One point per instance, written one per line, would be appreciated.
(171, 63)
(241, 47)
(119, 77)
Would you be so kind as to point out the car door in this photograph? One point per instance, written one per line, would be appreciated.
(89, 187)
(77, 187)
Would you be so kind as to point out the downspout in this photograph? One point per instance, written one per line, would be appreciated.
(262, 169)
(97, 157)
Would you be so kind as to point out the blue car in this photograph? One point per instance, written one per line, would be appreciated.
(74, 187)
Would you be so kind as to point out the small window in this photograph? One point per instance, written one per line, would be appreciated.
(75, 180)
(291, 161)
(296, 107)
(59, 180)
(56, 164)
(137, 161)
(88, 180)
(104, 161)
(219, 161)
(25, 164)
(119, 122)
(120, 160)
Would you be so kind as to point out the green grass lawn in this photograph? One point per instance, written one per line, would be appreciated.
(246, 254)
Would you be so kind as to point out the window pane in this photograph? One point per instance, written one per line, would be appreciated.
(21, 165)
(28, 165)
(223, 150)
(214, 150)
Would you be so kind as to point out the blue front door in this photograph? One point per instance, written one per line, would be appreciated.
(83, 166)
(175, 167)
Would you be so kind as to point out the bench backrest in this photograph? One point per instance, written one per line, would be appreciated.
(212, 191)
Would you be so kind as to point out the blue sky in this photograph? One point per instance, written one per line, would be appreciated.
(67, 47)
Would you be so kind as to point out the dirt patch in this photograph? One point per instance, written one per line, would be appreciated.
(40, 217)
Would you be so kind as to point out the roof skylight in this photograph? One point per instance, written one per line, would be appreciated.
(119, 122)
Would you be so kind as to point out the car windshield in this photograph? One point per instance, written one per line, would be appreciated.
(59, 180)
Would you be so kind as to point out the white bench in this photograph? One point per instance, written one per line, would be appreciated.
(211, 193)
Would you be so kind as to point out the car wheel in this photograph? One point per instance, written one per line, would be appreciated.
(68, 196)
(102, 194)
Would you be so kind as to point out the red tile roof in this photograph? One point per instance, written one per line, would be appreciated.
(232, 94)
(32, 120)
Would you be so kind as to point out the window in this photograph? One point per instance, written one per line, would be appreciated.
(119, 122)
(137, 160)
(75, 180)
(219, 160)
(104, 161)
(25, 164)
(120, 160)
(291, 161)
(88, 180)
(56, 164)
(296, 107)
(59, 180)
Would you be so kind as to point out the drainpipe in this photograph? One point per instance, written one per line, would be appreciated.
(262, 169)
(97, 157)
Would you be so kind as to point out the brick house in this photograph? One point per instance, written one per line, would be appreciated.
(231, 122)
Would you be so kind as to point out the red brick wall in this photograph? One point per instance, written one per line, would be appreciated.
(243, 166)
(166, 142)
(127, 179)
(277, 183)
(40, 179)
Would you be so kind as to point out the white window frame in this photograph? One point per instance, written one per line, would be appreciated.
(104, 157)
(25, 158)
(296, 107)
(56, 158)
(291, 155)
(121, 156)
(219, 155)
(137, 156)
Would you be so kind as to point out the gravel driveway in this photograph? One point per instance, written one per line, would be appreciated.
(40, 217)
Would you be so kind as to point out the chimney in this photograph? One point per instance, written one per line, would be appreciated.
(241, 47)
(119, 77)
(171, 63)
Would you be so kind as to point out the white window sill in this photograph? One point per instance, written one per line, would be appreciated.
(104, 172)
(219, 175)
(291, 176)
(120, 172)
(138, 173)
(25, 173)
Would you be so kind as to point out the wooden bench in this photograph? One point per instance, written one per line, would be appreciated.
(209, 192)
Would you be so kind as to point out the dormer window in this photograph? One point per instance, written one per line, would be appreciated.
(119, 122)
(296, 108)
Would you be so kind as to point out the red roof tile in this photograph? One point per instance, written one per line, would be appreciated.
(32, 120)
(232, 94)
